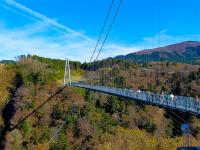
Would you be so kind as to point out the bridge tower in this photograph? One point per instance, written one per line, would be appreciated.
(67, 69)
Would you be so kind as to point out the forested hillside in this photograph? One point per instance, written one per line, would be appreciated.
(8, 85)
(185, 52)
(91, 120)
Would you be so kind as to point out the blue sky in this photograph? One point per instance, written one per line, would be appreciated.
(69, 28)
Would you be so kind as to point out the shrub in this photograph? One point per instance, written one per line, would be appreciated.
(26, 128)
(57, 112)
(150, 127)
(70, 120)
(61, 143)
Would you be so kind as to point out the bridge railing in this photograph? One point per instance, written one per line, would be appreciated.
(182, 103)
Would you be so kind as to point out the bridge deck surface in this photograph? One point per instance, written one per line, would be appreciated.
(181, 103)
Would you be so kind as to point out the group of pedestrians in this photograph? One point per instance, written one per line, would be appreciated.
(169, 98)
(162, 97)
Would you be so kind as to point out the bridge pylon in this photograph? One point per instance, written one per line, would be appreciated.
(67, 70)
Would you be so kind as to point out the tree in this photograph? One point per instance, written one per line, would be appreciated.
(57, 112)
(61, 143)
(150, 127)
(26, 127)
(112, 105)
(151, 87)
(119, 81)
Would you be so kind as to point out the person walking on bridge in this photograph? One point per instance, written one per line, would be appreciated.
(173, 98)
(162, 97)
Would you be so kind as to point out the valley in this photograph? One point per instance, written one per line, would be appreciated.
(94, 120)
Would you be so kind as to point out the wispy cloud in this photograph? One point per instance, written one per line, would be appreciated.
(26, 40)
(37, 38)
(46, 19)
(31, 39)
(46, 37)
(163, 39)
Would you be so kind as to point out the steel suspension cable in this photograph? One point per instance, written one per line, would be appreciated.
(57, 132)
(175, 124)
(190, 131)
(111, 25)
(102, 30)
(35, 110)
(182, 120)
(175, 128)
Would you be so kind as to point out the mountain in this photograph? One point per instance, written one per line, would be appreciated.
(186, 52)
(7, 62)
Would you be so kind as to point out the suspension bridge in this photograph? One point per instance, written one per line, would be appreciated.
(167, 101)
(181, 103)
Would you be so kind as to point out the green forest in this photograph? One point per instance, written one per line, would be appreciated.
(83, 120)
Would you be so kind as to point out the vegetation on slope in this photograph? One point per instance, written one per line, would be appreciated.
(7, 87)
(57, 67)
(92, 120)
(185, 52)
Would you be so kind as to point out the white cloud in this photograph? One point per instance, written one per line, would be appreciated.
(46, 37)
(46, 19)
(28, 40)
(31, 39)
(163, 39)
(22, 41)
(36, 39)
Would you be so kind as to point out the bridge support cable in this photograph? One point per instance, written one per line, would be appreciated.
(57, 132)
(111, 25)
(190, 130)
(35, 110)
(102, 30)
(176, 127)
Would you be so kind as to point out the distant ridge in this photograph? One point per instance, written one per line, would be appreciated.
(7, 62)
(186, 52)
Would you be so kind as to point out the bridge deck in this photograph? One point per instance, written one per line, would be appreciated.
(184, 104)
